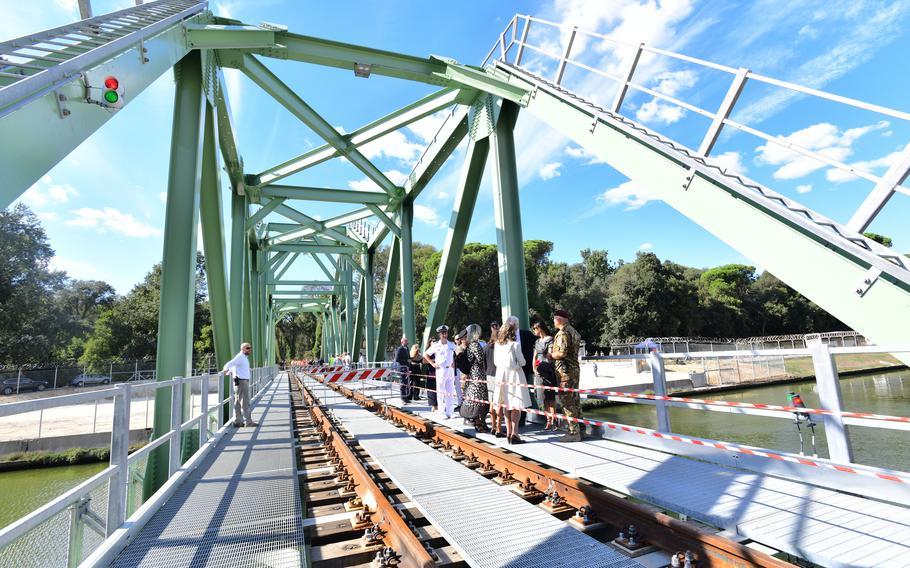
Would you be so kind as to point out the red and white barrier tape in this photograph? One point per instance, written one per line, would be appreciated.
(361, 375)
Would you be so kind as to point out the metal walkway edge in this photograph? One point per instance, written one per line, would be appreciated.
(827, 527)
(240, 507)
(489, 525)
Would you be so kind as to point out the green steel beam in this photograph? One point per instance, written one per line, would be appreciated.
(268, 82)
(293, 231)
(263, 211)
(319, 226)
(324, 194)
(348, 292)
(213, 36)
(388, 222)
(256, 257)
(460, 222)
(314, 248)
(408, 317)
(278, 282)
(447, 140)
(178, 275)
(336, 329)
(279, 273)
(36, 136)
(365, 134)
(507, 211)
(247, 328)
(213, 243)
(482, 81)
(233, 161)
(238, 265)
(388, 298)
(325, 270)
(278, 259)
(358, 322)
(369, 315)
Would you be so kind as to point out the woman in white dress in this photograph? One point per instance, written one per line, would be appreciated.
(511, 386)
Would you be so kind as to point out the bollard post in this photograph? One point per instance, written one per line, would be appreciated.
(56, 369)
(120, 449)
(660, 389)
(839, 448)
(18, 380)
(204, 410)
(176, 441)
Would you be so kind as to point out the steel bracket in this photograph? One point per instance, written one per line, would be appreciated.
(868, 280)
(142, 51)
(61, 99)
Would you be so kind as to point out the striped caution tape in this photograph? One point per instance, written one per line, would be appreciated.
(361, 375)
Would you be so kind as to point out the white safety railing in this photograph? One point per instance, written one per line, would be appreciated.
(104, 502)
(514, 45)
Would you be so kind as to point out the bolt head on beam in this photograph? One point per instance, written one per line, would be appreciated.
(363, 69)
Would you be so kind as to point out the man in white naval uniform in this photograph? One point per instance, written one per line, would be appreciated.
(239, 366)
(443, 360)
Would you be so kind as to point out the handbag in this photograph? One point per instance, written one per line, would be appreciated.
(469, 410)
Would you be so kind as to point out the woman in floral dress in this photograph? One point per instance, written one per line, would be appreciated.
(475, 406)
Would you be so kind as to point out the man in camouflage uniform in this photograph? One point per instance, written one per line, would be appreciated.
(565, 360)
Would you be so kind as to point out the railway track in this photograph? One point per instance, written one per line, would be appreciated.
(601, 512)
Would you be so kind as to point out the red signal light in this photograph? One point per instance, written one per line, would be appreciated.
(111, 83)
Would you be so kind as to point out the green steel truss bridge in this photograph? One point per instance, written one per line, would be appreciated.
(59, 86)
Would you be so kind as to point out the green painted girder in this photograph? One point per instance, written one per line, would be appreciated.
(266, 208)
(385, 219)
(408, 316)
(238, 265)
(372, 131)
(314, 248)
(513, 285)
(227, 141)
(388, 298)
(292, 232)
(214, 36)
(357, 338)
(324, 194)
(178, 274)
(306, 283)
(277, 274)
(318, 260)
(825, 269)
(347, 276)
(50, 136)
(267, 81)
(366, 259)
(460, 222)
(308, 222)
(434, 70)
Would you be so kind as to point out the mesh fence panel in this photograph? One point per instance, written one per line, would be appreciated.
(45, 546)
(134, 496)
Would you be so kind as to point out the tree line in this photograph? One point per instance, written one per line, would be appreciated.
(46, 315)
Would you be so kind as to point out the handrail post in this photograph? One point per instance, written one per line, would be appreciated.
(221, 414)
(204, 409)
(76, 532)
(120, 449)
(562, 62)
(726, 107)
(660, 389)
(521, 42)
(829, 394)
(624, 86)
(176, 442)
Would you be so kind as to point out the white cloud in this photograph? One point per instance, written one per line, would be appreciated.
(47, 215)
(427, 127)
(428, 215)
(110, 219)
(549, 171)
(823, 138)
(441, 194)
(837, 175)
(366, 184)
(803, 188)
(393, 145)
(69, 5)
(645, 246)
(46, 192)
(629, 194)
(670, 83)
(729, 161)
(163, 196)
(583, 154)
(77, 269)
(656, 111)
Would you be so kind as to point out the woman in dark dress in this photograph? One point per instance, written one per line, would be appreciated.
(428, 374)
(475, 405)
(545, 371)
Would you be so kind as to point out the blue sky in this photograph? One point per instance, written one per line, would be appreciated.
(103, 208)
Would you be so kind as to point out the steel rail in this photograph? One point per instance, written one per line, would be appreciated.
(396, 532)
(661, 529)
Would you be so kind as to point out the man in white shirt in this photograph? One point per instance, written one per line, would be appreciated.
(239, 367)
(443, 361)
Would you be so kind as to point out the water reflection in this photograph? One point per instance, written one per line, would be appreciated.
(879, 393)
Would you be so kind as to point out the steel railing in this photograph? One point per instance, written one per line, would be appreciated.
(124, 481)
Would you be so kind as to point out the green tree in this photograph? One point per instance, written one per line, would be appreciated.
(29, 322)
(296, 334)
(880, 239)
(724, 294)
(639, 299)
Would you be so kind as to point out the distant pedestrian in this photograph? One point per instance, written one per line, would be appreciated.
(545, 371)
(511, 385)
(565, 357)
(402, 361)
(417, 370)
(441, 355)
(429, 372)
(239, 367)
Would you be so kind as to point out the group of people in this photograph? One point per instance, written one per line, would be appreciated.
(495, 377)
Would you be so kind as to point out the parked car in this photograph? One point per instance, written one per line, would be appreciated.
(16, 384)
(83, 379)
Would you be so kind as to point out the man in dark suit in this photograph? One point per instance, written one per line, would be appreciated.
(402, 359)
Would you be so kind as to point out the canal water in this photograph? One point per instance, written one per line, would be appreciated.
(880, 393)
(26, 490)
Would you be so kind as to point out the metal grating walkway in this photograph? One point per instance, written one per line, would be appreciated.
(240, 507)
(489, 525)
(824, 526)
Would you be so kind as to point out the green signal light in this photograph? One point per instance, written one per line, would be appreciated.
(111, 97)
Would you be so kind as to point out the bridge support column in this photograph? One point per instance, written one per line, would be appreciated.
(213, 244)
(358, 323)
(178, 274)
(367, 297)
(349, 314)
(507, 210)
(408, 318)
(839, 447)
(460, 222)
(388, 298)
